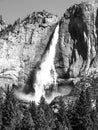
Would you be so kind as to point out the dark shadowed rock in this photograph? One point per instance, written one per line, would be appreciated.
(78, 38)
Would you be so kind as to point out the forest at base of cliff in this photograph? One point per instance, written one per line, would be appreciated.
(80, 115)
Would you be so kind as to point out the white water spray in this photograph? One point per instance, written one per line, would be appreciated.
(47, 74)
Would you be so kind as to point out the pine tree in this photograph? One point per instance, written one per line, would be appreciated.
(81, 117)
(27, 122)
(62, 116)
(1, 104)
(94, 116)
(10, 113)
(33, 111)
(45, 116)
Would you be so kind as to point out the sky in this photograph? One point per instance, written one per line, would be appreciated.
(11, 10)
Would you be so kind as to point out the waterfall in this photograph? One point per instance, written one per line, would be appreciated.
(47, 74)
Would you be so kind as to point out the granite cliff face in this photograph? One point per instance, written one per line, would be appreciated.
(24, 47)
(3, 25)
(78, 41)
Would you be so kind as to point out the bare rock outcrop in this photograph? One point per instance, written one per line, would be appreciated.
(3, 25)
(77, 49)
(22, 46)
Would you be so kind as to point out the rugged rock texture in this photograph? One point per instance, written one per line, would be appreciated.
(3, 25)
(22, 46)
(77, 48)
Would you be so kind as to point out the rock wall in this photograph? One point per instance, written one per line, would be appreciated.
(23, 45)
(78, 41)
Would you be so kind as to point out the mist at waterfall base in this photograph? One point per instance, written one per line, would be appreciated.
(46, 76)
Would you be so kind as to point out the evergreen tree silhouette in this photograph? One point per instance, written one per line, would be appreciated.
(27, 122)
(81, 115)
(45, 116)
(9, 110)
(94, 116)
(1, 105)
(33, 111)
(62, 117)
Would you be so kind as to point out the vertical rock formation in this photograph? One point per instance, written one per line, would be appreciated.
(22, 46)
(25, 49)
(78, 39)
(3, 25)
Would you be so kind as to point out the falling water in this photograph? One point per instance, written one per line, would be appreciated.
(47, 74)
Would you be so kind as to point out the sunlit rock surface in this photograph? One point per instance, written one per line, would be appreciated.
(77, 48)
(46, 55)
(3, 25)
(22, 46)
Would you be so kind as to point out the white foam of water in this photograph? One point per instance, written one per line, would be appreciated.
(25, 97)
(65, 90)
(47, 74)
